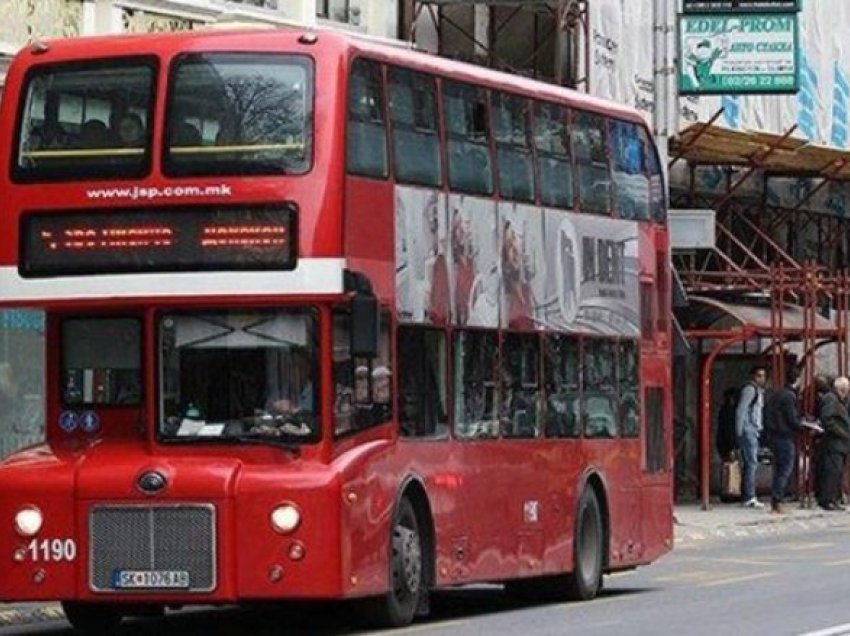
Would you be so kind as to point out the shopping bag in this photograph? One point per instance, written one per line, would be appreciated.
(731, 479)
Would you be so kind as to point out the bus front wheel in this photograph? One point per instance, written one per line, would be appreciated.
(407, 581)
(585, 581)
(92, 618)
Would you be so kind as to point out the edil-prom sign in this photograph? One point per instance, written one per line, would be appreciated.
(738, 53)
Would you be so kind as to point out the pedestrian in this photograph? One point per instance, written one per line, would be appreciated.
(834, 445)
(725, 439)
(782, 422)
(748, 427)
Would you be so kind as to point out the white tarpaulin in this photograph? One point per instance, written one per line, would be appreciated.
(621, 69)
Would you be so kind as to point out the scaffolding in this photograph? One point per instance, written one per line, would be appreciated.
(558, 33)
(753, 264)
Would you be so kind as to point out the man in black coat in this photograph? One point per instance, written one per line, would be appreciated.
(783, 422)
(834, 445)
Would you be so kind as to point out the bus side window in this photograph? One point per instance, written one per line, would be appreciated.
(366, 138)
(656, 457)
(422, 379)
(552, 143)
(631, 185)
(520, 413)
(599, 391)
(628, 385)
(513, 154)
(590, 148)
(415, 140)
(468, 134)
(362, 387)
(657, 192)
(562, 380)
(475, 388)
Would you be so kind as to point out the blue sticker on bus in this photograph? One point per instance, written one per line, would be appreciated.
(68, 421)
(89, 422)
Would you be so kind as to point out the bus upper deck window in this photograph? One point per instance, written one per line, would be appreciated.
(239, 113)
(86, 120)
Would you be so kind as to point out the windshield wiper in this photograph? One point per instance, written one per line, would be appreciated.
(265, 441)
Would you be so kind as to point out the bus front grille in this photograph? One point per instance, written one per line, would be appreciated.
(174, 542)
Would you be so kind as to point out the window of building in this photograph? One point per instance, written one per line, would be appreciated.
(628, 383)
(520, 385)
(476, 387)
(366, 139)
(600, 387)
(656, 457)
(631, 185)
(590, 149)
(362, 386)
(416, 141)
(513, 147)
(552, 143)
(338, 10)
(562, 380)
(422, 382)
(468, 133)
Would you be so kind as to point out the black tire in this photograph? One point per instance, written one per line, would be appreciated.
(407, 574)
(92, 618)
(585, 581)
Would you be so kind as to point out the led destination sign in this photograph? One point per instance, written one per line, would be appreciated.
(194, 239)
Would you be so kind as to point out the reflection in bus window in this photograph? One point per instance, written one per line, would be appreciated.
(591, 156)
(627, 376)
(520, 385)
(561, 377)
(101, 361)
(600, 387)
(422, 364)
(239, 113)
(366, 140)
(239, 375)
(513, 154)
(628, 156)
(362, 395)
(468, 133)
(551, 139)
(89, 120)
(413, 112)
(475, 386)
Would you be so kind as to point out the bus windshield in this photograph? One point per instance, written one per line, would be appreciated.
(239, 113)
(87, 120)
(238, 376)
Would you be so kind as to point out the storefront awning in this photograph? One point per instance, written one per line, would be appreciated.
(713, 314)
(710, 144)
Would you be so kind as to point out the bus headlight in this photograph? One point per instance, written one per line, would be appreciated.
(285, 518)
(28, 521)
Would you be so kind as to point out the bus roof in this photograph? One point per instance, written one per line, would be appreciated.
(345, 44)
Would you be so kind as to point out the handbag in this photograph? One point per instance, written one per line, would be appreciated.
(731, 479)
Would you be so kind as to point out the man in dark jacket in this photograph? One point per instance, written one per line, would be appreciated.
(783, 422)
(834, 445)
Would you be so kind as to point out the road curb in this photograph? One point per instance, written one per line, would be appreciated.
(688, 534)
(30, 615)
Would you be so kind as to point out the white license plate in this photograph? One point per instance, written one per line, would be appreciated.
(150, 579)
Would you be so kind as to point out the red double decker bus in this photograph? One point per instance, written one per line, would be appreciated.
(328, 319)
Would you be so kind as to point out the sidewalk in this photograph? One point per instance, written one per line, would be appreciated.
(731, 521)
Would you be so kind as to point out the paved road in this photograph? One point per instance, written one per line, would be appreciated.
(795, 584)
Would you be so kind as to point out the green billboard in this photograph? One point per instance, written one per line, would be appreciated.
(738, 53)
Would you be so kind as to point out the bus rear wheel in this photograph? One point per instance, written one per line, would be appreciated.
(92, 618)
(585, 581)
(407, 581)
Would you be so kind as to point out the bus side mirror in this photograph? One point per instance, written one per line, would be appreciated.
(364, 326)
